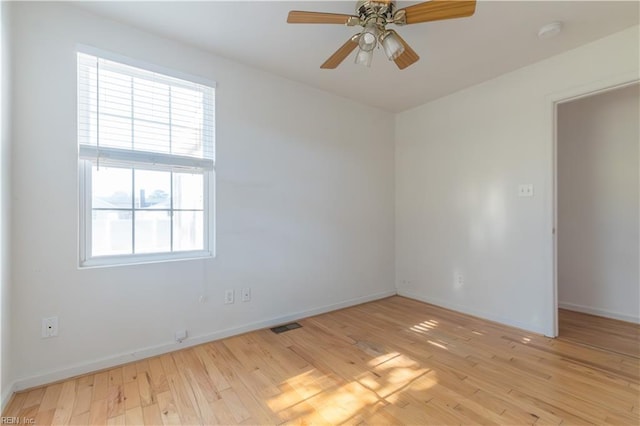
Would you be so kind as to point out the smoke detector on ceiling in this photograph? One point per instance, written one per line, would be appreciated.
(549, 30)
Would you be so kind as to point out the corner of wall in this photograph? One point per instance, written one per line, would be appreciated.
(473, 220)
(6, 381)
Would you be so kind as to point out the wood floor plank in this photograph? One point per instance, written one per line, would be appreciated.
(223, 413)
(145, 389)
(151, 415)
(392, 361)
(17, 402)
(117, 421)
(168, 410)
(98, 412)
(50, 398)
(84, 389)
(100, 385)
(610, 334)
(168, 365)
(64, 407)
(129, 372)
(45, 417)
(115, 394)
(183, 399)
(240, 380)
(234, 404)
(131, 395)
(198, 373)
(201, 402)
(80, 419)
(210, 364)
(28, 412)
(134, 416)
(379, 416)
(158, 377)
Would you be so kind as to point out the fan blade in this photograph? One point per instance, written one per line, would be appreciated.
(436, 10)
(340, 54)
(301, 17)
(408, 57)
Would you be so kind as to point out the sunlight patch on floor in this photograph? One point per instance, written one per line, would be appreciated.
(424, 326)
(419, 384)
(295, 390)
(382, 359)
(334, 405)
(440, 345)
(382, 380)
(341, 404)
(393, 375)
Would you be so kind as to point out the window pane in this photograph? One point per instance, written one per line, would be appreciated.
(153, 189)
(142, 202)
(111, 232)
(153, 231)
(188, 191)
(188, 231)
(111, 188)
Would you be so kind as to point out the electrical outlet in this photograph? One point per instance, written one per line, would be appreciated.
(228, 297)
(49, 327)
(246, 294)
(525, 190)
(181, 335)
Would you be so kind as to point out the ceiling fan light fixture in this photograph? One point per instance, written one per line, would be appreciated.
(368, 39)
(364, 57)
(392, 46)
(373, 16)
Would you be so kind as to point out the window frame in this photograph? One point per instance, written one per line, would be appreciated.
(85, 195)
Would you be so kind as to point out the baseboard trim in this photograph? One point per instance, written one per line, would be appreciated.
(473, 312)
(599, 312)
(124, 358)
(7, 393)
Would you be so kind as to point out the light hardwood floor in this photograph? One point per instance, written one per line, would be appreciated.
(393, 361)
(605, 333)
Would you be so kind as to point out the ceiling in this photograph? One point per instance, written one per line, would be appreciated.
(501, 36)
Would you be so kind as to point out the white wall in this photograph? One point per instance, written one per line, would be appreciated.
(304, 202)
(598, 191)
(5, 210)
(459, 161)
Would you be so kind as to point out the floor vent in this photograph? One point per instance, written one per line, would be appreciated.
(282, 328)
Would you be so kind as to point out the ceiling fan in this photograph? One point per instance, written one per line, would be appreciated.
(373, 16)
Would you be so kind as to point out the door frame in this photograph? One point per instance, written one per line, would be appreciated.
(553, 100)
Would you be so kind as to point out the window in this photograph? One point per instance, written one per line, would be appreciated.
(146, 164)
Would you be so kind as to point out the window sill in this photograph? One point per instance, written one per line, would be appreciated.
(142, 259)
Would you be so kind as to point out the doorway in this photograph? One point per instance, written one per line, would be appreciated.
(598, 219)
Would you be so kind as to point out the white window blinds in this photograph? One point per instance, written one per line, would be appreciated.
(128, 116)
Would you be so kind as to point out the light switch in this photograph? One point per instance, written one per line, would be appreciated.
(525, 190)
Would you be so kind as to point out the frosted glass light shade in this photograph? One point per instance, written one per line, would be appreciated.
(364, 57)
(368, 39)
(392, 46)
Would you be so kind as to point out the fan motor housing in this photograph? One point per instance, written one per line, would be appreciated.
(369, 9)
